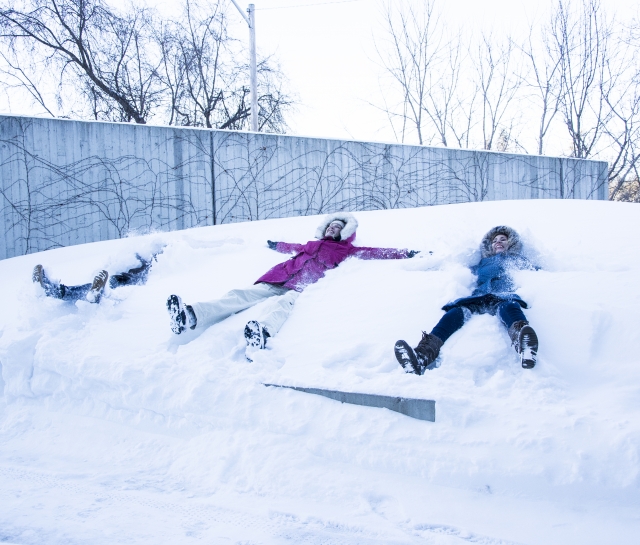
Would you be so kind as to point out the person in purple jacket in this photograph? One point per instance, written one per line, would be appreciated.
(283, 283)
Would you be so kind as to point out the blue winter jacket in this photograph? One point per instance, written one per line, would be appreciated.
(494, 284)
(493, 273)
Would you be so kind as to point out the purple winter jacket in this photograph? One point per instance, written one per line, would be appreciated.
(316, 256)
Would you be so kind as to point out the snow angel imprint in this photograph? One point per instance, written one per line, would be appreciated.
(501, 251)
(283, 283)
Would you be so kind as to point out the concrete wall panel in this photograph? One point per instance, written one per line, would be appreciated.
(69, 182)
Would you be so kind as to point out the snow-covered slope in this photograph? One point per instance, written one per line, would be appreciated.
(114, 430)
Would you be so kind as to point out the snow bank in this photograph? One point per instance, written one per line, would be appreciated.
(108, 419)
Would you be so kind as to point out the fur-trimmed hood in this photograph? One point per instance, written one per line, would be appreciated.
(348, 231)
(514, 245)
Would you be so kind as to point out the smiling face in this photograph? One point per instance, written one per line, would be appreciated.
(499, 243)
(334, 229)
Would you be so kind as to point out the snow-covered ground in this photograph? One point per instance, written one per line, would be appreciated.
(114, 430)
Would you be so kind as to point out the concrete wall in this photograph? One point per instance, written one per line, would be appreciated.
(68, 182)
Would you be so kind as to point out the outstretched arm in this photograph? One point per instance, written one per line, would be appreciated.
(382, 253)
(285, 247)
(524, 263)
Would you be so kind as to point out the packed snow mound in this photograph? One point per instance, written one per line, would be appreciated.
(102, 403)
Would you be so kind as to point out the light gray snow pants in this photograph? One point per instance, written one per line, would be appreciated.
(274, 314)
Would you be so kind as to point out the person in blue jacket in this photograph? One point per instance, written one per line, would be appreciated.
(92, 292)
(501, 252)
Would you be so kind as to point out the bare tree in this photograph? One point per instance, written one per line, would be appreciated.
(457, 98)
(497, 85)
(132, 65)
(415, 44)
(443, 104)
(580, 72)
(623, 97)
(205, 82)
(448, 95)
(543, 57)
(600, 100)
(582, 37)
(196, 68)
(274, 102)
(18, 72)
(104, 55)
(621, 94)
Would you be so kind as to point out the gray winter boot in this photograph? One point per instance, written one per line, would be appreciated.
(51, 289)
(97, 287)
(422, 358)
(525, 341)
(38, 276)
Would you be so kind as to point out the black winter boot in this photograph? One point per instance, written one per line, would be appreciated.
(525, 341)
(422, 358)
(256, 336)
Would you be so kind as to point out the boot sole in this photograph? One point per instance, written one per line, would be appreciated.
(528, 347)
(256, 340)
(253, 335)
(407, 357)
(176, 314)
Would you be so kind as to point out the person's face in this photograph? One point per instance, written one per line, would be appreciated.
(333, 230)
(499, 244)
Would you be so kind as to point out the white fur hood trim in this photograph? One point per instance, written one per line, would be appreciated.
(351, 224)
